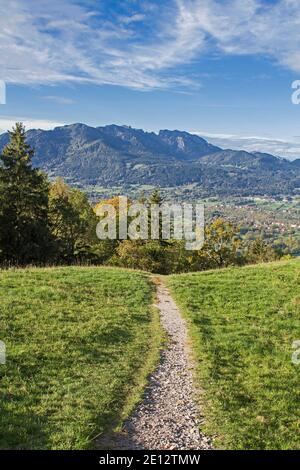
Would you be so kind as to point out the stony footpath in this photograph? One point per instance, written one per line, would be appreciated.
(168, 417)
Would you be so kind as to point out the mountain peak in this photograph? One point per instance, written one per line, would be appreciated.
(191, 145)
(122, 156)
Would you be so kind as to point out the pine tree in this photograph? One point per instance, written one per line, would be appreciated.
(24, 233)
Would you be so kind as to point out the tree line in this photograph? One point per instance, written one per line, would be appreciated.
(45, 223)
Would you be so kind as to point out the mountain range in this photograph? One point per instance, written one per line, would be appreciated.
(121, 156)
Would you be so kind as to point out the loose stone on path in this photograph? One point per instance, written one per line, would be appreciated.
(168, 417)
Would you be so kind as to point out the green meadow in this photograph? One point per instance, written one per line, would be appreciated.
(242, 324)
(80, 343)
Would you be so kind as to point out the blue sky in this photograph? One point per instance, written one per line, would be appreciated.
(220, 68)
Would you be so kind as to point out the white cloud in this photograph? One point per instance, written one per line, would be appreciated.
(250, 27)
(6, 124)
(278, 147)
(64, 41)
(132, 19)
(59, 41)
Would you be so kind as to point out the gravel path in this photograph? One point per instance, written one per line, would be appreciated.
(168, 417)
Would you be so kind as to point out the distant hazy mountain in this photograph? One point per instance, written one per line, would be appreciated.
(122, 156)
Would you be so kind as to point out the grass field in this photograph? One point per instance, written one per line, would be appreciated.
(242, 324)
(80, 342)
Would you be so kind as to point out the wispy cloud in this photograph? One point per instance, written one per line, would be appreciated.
(251, 27)
(59, 99)
(142, 47)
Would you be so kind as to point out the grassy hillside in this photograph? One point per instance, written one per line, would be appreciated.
(243, 323)
(78, 342)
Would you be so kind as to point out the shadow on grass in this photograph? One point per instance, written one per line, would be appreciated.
(21, 430)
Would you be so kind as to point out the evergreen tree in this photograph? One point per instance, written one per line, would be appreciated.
(155, 197)
(24, 234)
